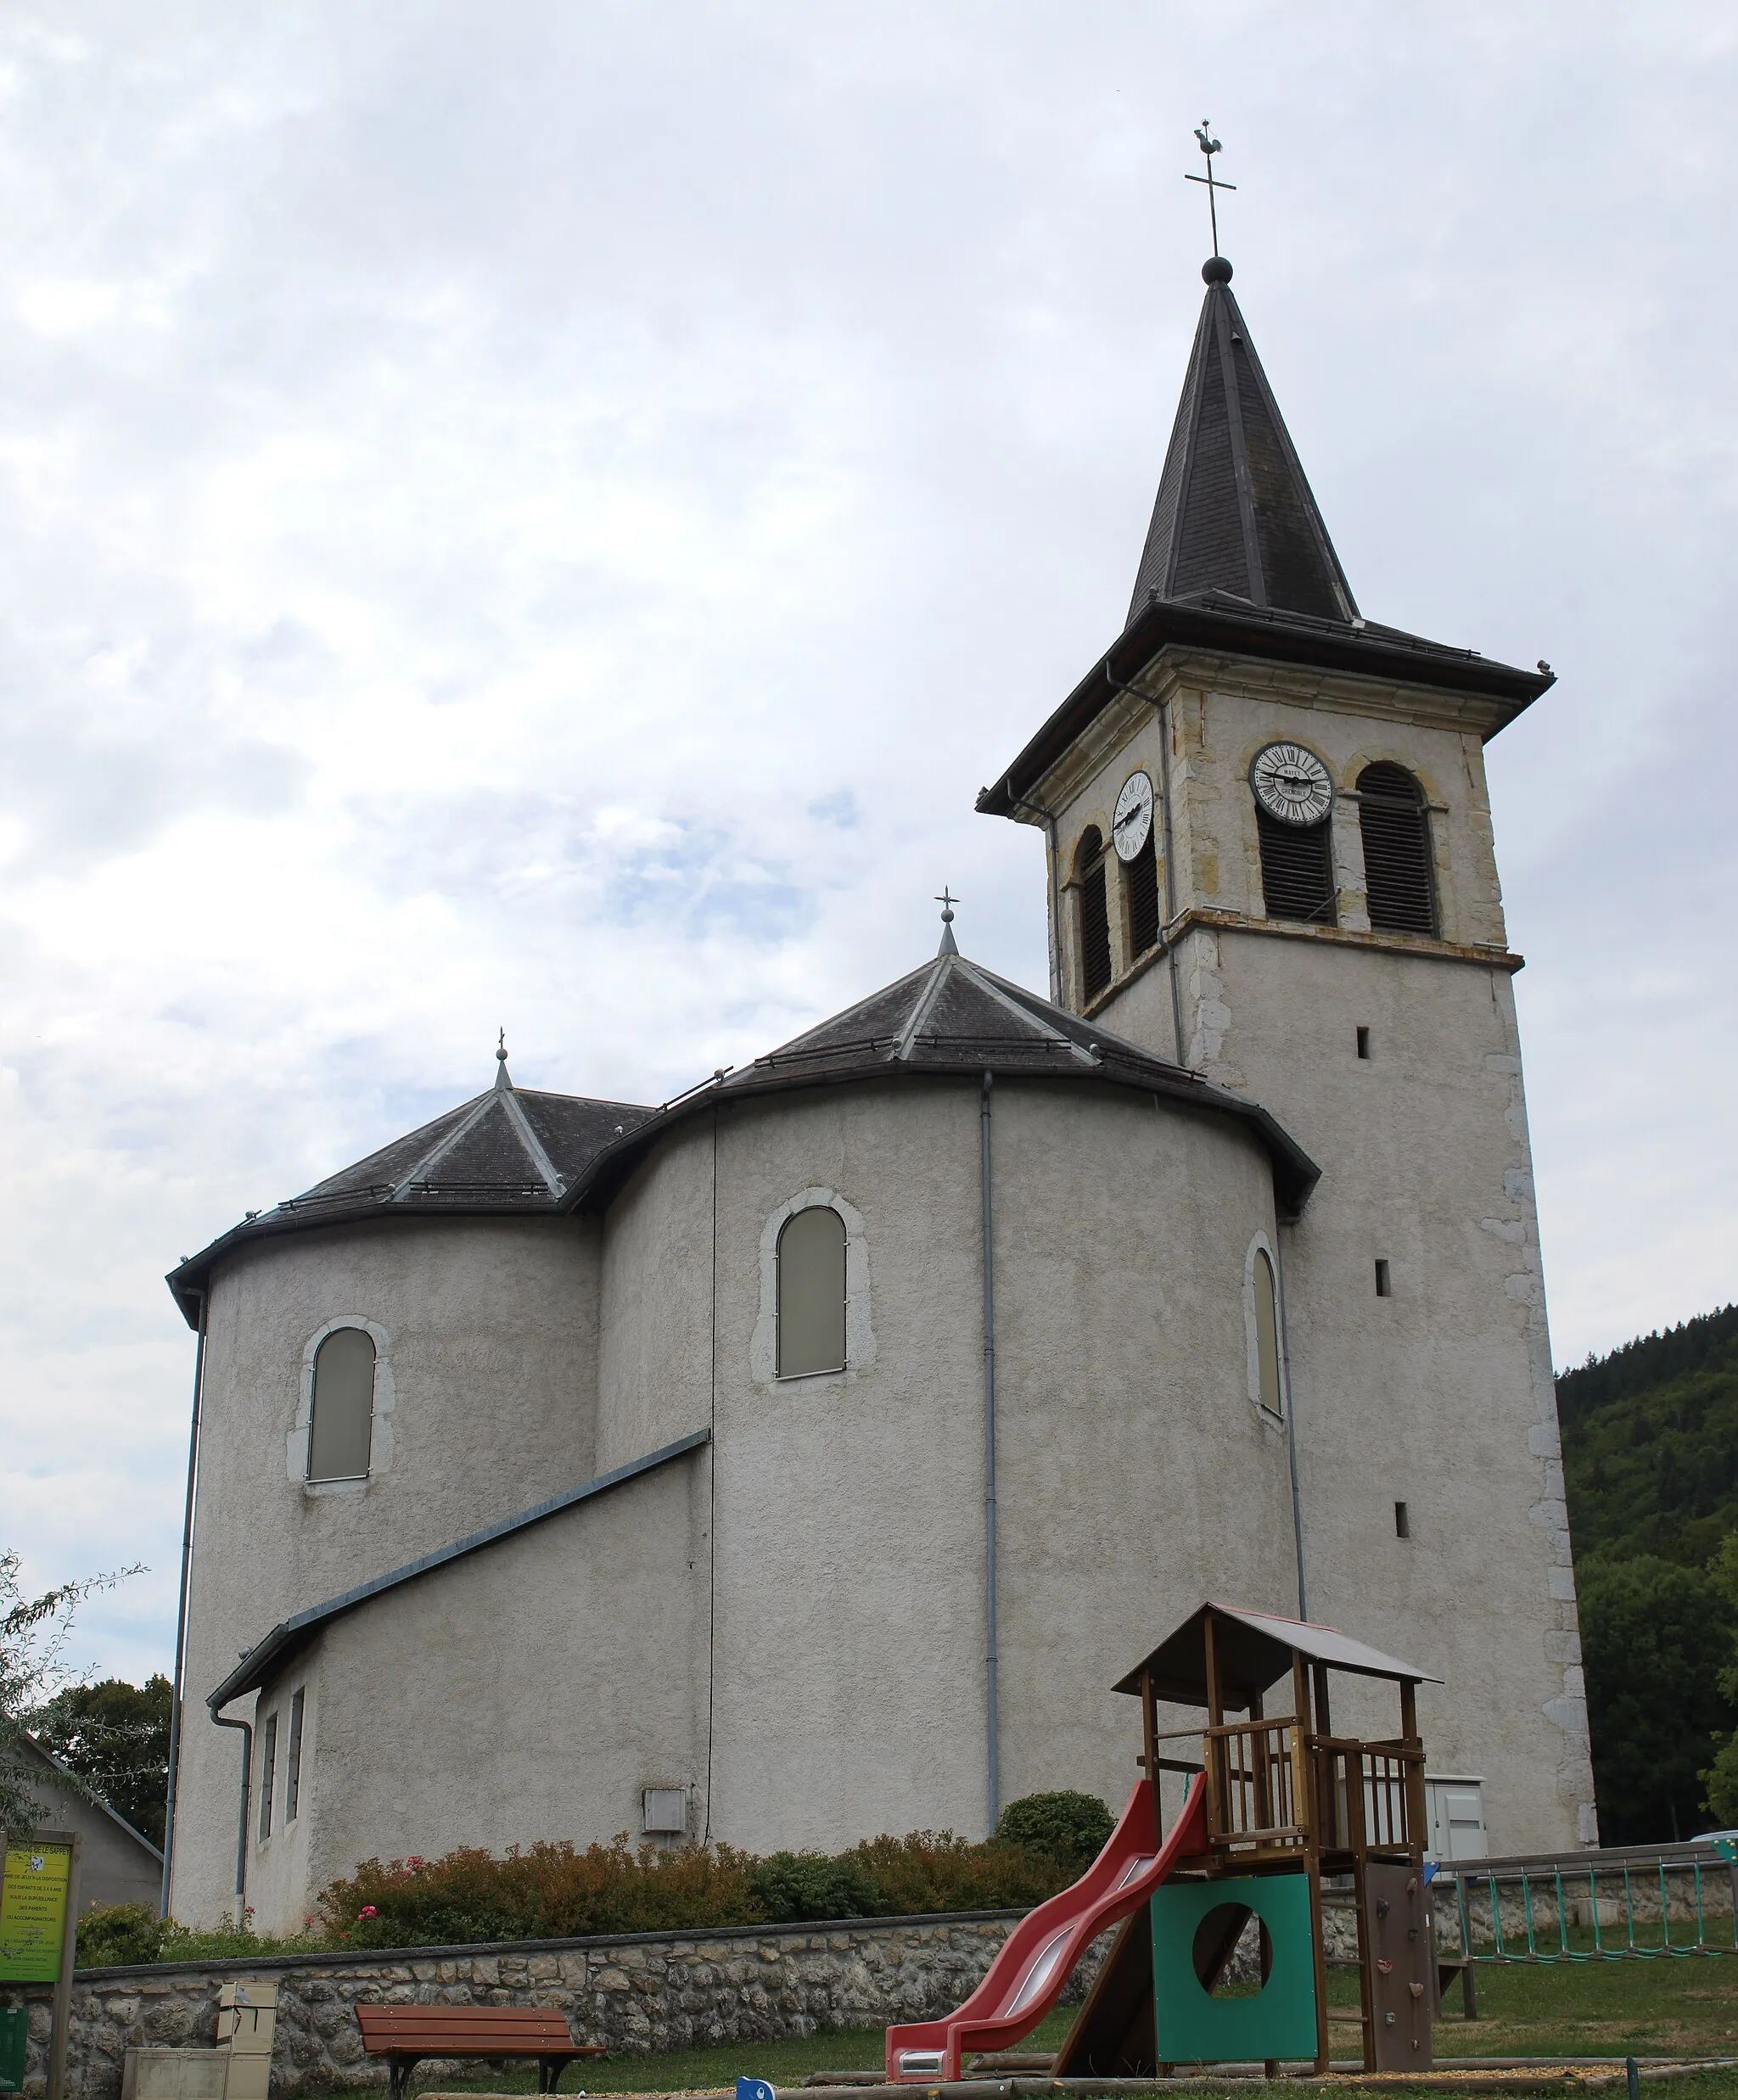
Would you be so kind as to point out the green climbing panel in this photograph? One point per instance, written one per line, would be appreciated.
(1196, 2027)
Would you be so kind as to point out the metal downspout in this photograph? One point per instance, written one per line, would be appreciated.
(1170, 872)
(1278, 1270)
(992, 1746)
(241, 1836)
(186, 1555)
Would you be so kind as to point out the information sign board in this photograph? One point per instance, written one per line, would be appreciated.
(33, 1899)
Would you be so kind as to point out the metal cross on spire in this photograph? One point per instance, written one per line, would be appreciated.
(947, 900)
(1210, 146)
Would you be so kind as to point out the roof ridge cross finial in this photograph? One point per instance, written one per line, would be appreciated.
(947, 900)
(1210, 146)
(501, 1077)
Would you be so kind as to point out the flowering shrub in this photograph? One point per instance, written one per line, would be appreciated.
(555, 1891)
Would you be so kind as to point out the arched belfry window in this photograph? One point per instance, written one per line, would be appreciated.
(1297, 869)
(1140, 898)
(812, 1292)
(1095, 914)
(1267, 1333)
(341, 1426)
(1397, 869)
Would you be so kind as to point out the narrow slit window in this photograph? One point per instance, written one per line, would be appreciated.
(1384, 1283)
(1363, 1043)
(341, 1431)
(1094, 915)
(1395, 825)
(1403, 1520)
(268, 1772)
(811, 1293)
(1267, 1333)
(1297, 869)
(1140, 895)
(292, 1768)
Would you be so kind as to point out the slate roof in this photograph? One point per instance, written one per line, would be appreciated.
(509, 1150)
(1237, 560)
(952, 1015)
(1235, 511)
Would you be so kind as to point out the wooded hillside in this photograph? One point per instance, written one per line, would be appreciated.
(1651, 1469)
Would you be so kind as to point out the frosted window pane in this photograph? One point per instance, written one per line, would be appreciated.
(811, 1293)
(1267, 1333)
(343, 1407)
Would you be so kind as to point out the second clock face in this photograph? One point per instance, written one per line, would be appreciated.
(1292, 784)
(1132, 825)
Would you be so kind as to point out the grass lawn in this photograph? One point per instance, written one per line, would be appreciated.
(1659, 2008)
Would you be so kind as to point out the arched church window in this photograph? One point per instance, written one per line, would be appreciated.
(1095, 914)
(1397, 869)
(812, 1292)
(1267, 1333)
(341, 1430)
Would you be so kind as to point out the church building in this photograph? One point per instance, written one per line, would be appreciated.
(807, 1458)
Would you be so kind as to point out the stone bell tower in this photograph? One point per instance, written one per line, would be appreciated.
(1271, 859)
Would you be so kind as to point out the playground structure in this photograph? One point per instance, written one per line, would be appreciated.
(1275, 1805)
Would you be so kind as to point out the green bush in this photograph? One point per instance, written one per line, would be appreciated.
(793, 1885)
(115, 1936)
(1068, 1826)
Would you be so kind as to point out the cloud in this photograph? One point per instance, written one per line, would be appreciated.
(552, 525)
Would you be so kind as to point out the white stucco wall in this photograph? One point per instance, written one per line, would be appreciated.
(526, 1692)
(490, 1327)
(1440, 1395)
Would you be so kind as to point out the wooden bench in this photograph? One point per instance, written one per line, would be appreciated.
(405, 2035)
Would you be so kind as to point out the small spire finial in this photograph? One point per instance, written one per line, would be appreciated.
(1210, 146)
(947, 900)
(500, 1073)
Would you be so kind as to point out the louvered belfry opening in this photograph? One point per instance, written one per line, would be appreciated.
(1297, 869)
(1140, 894)
(1397, 869)
(1094, 915)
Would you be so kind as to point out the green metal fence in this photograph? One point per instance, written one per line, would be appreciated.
(1650, 1904)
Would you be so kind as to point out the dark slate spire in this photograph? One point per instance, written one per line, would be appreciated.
(1234, 513)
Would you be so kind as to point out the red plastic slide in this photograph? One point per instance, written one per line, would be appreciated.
(1037, 1958)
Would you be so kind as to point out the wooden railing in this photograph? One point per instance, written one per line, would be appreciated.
(1271, 1789)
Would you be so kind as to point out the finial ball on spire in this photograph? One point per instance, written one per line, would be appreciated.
(1216, 270)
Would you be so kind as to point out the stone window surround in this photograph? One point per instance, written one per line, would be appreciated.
(1251, 1338)
(380, 1442)
(859, 1333)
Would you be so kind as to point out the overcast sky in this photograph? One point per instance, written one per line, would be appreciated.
(546, 514)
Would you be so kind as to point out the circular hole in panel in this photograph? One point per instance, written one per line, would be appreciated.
(1232, 1953)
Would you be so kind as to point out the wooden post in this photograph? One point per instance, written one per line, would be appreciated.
(1149, 1732)
(63, 1983)
(1218, 1790)
(1263, 1776)
(1417, 1810)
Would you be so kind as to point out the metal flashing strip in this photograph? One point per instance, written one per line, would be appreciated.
(420, 1168)
(246, 1675)
(533, 1143)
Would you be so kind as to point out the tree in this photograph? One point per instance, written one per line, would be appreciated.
(34, 1632)
(1657, 1645)
(116, 1736)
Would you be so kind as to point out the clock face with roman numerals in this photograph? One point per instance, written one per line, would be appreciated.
(1292, 784)
(1132, 825)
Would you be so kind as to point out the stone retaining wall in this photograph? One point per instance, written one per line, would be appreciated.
(639, 1991)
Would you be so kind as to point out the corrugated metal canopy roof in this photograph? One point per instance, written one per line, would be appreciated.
(1254, 1649)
